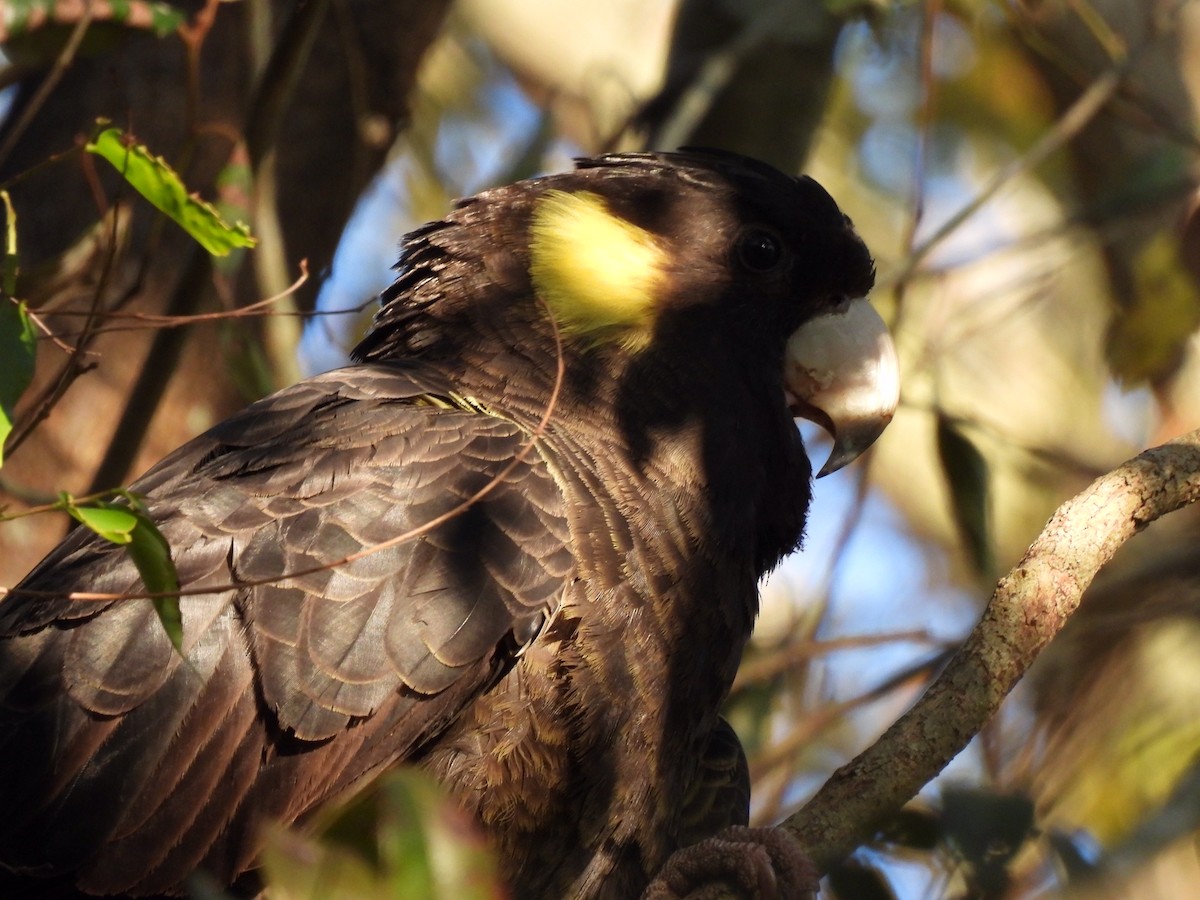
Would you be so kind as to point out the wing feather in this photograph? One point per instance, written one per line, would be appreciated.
(135, 765)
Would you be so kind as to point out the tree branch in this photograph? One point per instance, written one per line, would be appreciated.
(1029, 606)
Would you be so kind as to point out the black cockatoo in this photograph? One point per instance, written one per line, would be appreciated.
(517, 544)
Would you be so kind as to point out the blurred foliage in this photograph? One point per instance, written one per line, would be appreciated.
(400, 837)
(153, 178)
(970, 839)
(1132, 731)
(127, 524)
(36, 29)
(1148, 337)
(967, 480)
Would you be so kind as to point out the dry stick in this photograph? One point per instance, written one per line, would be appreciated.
(258, 309)
(1030, 605)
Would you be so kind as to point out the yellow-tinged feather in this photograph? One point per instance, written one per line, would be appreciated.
(600, 275)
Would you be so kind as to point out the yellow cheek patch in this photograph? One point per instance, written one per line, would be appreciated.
(600, 275)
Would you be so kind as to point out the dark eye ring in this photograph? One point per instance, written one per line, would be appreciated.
(759, 249)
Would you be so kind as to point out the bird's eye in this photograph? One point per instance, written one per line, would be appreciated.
(759, 250)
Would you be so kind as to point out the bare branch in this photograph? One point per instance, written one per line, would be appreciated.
(1029, 606)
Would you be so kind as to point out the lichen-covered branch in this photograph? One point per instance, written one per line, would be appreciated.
(1029, 606)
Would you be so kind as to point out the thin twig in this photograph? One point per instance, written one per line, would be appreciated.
(805, 731)
(930, 13)
(1073, 121)
(258, 309)
(784, 659)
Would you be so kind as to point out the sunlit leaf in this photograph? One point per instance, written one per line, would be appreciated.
(133, 529)
(152, 556)
(113, 523)
(155, 180)
(8, 276)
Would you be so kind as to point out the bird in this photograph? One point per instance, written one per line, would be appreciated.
(516, 543)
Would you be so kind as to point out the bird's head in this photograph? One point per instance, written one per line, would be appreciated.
(680, 277)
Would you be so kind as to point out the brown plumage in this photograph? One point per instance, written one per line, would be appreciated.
(555, 655)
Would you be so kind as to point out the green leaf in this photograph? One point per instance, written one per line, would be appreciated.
(401, 837)
(966, 474)
(164, 18)
(155, 180)
(132, 528)
(113, 523)
(152, 555)
(18, 339)
(25, 16)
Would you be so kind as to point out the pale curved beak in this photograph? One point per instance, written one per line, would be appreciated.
(841, 372)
